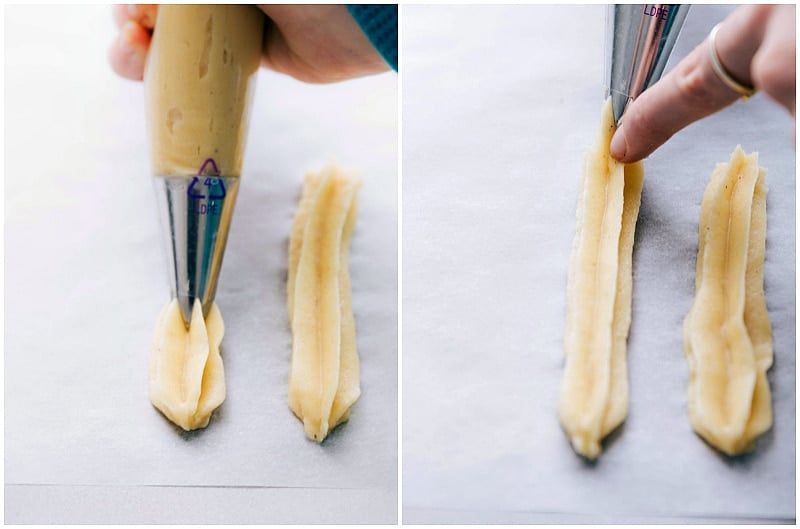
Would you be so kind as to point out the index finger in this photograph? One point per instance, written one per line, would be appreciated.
(688, 93)
(691, 91)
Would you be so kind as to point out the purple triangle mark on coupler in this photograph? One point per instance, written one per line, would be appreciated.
(205, 165)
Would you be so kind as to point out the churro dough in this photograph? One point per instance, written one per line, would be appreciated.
(324, 379)
(727, 333)
(199, 79)
(187, 378)
(594, 392)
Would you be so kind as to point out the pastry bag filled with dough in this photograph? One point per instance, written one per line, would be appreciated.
(199, 79)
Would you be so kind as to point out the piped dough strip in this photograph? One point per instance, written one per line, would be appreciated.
(727, 334)
(324, 377)
(187, 377)
(594, 392)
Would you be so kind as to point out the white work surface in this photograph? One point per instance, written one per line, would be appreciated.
(85, 278)
(500, 105)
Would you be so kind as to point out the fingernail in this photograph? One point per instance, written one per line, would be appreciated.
(618, 144)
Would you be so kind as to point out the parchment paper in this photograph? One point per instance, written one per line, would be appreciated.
(499, 107)
(85, 278)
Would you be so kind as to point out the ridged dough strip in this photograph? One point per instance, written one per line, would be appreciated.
(324, 378)
(727, 334)
(187, 377)
(594, 392)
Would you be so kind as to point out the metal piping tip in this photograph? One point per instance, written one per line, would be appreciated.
(196, 214)
(639, 41)
(619, 104)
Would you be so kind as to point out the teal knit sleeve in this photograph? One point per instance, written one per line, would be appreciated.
(379, 23)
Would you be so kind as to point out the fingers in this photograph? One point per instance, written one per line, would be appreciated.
(128, 52)
(774, 64)
(692, 90)
(689, 92)
(142, 14)
(739, 38)
(317, 43)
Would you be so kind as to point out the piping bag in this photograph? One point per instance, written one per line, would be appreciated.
(639, 40)
(199, 80)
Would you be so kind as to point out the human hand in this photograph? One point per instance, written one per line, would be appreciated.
(756, 45)
(313, 43)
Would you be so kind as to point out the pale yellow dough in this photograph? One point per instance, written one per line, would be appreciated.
(727, 333)
(187, 378)
(324, 378)
(199, 80)
(594, 392)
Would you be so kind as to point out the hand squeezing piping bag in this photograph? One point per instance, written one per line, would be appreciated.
(199, 79)
(639, 40)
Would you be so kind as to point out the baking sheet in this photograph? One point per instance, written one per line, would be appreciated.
(85, 278)
(499, 106)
